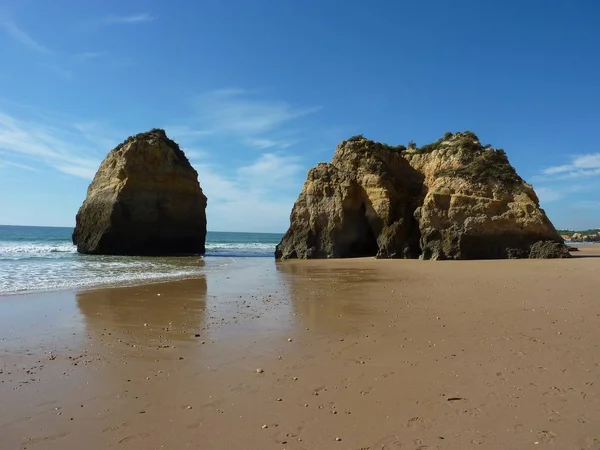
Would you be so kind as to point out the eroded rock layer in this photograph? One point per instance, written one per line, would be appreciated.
(453, 199)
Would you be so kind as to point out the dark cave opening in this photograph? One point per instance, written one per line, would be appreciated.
(362, 241)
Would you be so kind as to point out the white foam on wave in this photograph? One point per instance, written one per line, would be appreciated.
(241, 246)
(31, 248)
(87, 274)
(62, 283)
(239, 249)
(34, 266)
(41, 248)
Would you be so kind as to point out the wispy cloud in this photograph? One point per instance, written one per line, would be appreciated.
(131, 19)
(91, 55)
(552, 191)
(574, 183)
(588, 204)
(265, 143)
(17, 165)
(580, 166)
(548, 194)
(195, 154)
(186, 132)
(255, 192)
(260, 188)
(239, 112)
(271, 170)
(56, 144)
(47, 59)
(57, 70)
(19, 35)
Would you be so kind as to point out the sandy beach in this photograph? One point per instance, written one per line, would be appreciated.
(333, 354)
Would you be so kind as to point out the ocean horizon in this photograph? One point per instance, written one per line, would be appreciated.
(43, 258)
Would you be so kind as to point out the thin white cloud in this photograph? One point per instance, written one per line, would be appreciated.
(271, 170)
(580, 166)
(19, 35)
(195, 154)
(48, 62)
(261, 192)
(265, 143)
(131, 19)
(17, 165)
(547, 194)
(239, 112)
(59, 71)
(186, 133)
(78, 171)
(57, 145)
(588, 204)
(91, 55)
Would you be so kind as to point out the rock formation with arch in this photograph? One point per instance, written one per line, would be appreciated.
(453, 199)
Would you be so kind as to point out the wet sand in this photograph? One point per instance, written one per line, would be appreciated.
(337, 354)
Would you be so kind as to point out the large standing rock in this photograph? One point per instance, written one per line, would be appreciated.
(330, 218)
(476, 206)
(144, 200)
(453, 199)
(360, 204)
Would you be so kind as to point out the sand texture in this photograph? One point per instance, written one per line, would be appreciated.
(322, 354)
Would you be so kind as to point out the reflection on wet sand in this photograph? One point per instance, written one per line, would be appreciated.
(322, 294)
(222, 308)
(146, 314)
(380, 354)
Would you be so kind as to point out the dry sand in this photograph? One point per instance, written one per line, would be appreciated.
(346, 354)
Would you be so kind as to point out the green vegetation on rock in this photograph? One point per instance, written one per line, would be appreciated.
(356, 138)
(488, 165)
(482, 164)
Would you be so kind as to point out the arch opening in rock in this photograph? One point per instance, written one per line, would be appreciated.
(360, 240)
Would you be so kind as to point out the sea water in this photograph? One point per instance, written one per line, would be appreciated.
(44, 258)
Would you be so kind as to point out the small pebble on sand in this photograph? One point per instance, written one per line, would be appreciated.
(338, 439)
(290, 340)
(265, 427)
(279, 399)
(259, 371)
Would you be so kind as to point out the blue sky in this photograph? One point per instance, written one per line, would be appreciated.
(257, 92)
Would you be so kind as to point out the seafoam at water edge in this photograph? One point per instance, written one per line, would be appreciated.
(44, 258)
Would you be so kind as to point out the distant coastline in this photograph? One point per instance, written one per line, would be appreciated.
(589, 236)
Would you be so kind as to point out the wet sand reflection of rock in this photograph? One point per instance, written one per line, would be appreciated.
(146, 314)
(324, 293)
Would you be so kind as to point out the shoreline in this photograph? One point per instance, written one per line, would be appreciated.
(580, 253)
(38, 258)
(108, 285)
(379, 353)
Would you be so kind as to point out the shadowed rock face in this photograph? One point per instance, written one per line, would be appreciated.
(144, 200)
(453, 199)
